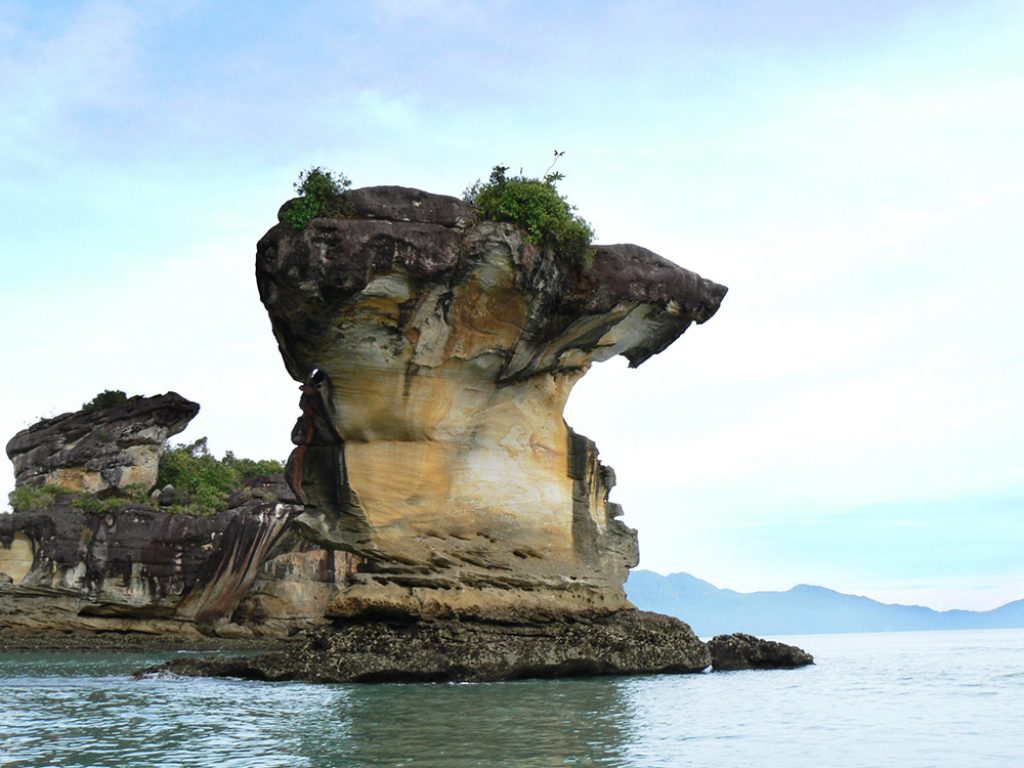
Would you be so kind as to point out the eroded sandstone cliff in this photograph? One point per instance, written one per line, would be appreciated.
(436, 354)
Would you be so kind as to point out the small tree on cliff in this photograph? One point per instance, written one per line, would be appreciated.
(321, 193)
(536, 206)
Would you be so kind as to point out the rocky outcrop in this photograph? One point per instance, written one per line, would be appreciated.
(441, 515)
(742, 651)
(141, 567)
(436, 354)
(626, 642)
(96, 450)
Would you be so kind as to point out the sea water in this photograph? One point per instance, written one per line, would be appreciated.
(903, 699)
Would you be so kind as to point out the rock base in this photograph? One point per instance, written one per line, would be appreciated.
(628, 642)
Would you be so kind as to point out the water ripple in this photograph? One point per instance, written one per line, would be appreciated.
(914, 700)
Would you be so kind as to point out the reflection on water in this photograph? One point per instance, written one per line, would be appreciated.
(77, 710)
(543, 723)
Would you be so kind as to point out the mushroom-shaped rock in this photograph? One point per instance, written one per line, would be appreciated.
(436, 354)
(99, 448)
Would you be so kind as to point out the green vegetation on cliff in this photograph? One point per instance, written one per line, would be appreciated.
(202, 484)
(108, 398)
(206, 480)
(536, 206)
(25, 498)
(321, 193)
(533, 204)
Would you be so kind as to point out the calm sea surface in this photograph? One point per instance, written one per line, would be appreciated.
(905, 699)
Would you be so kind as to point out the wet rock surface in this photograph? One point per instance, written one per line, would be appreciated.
(627, 642)
(742, 651)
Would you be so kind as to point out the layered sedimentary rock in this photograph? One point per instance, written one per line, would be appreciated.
(436, 355)
(440, 514)
(143, 569)
(95, 450)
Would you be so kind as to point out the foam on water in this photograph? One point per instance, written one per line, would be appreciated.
(906, 699)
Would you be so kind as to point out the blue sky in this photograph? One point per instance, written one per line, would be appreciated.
(852, 417)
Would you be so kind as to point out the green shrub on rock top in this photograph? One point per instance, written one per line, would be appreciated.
(321, 193)
(25, 498)
(536, 206)
(108, 398)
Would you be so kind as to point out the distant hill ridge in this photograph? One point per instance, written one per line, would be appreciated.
(804, 609)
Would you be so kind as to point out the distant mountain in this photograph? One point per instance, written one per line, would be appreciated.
(801, 610)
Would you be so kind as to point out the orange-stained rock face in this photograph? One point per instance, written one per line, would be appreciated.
(436, 357)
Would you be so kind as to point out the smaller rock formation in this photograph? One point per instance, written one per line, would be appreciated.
(741, 651)
(128, 566)
(95, 450)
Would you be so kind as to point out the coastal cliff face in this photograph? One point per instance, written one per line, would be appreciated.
(440, 520)
(132, 569)
(139, 568)
(436, 355)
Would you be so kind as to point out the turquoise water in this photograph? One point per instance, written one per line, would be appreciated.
(907, 699)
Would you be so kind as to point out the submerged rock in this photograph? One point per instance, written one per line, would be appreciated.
(436, 354)
(626, 642)
(742, 651)
(94, 450)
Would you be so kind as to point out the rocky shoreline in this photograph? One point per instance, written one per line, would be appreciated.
(628, 642)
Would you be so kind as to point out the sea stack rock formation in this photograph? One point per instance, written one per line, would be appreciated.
(435, 354)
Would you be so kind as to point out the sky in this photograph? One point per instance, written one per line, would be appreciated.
(853, 415)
